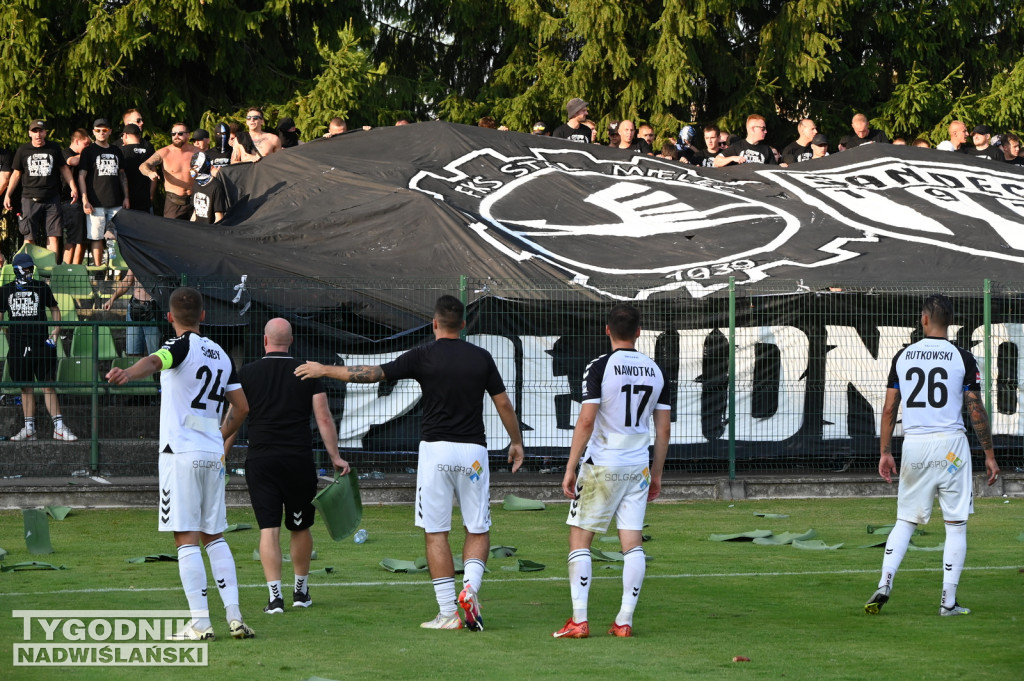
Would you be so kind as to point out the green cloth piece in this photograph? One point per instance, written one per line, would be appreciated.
(154, 558)
(605, 556)
(877, 544)
(915, 547)
(396, 565)
(37, 531)
(1020, 537)
(329, 570)
(3, 554)
(523, 565)
(340, 506)
(771, 515)
(785, 538)
(238, 526)
(31, 565)
(58, 512)
(514, 503)
(503, 551)
(814, 545)
(741, 536)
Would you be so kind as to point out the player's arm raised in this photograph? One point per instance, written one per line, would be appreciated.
(511, 422)
(580, 437)
(353, 374)
(886, 464)
(983, 430)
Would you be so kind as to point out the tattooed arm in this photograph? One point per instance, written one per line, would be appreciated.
(150, 166)
(354, 374)
(983, 429)
(886, 464)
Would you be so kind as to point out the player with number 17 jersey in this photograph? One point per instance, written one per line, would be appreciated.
(196, 372)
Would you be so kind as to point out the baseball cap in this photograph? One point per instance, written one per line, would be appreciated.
(132, 129)
(820, 140)
(23, 260)
(981, 130)
(574, 106)
(200, 134)
(37, 123)
(101, 123)
(539, 126)
(286, 124)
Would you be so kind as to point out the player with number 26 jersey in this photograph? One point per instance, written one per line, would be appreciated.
(195, 374)
(932, 375)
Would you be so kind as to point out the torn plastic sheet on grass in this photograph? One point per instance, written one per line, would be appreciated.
(771, 515)
(31, 565)
(523, 565)
(154, 558)
(37, 531)
(814, 545)
(741, 536)
(57, 512)
(514, 503)
(785, 538)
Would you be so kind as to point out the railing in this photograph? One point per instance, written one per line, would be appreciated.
(778, 376)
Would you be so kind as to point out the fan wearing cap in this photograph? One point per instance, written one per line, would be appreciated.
(288, 133)
(208, 197)
(539, 129)
(573, 129)
(819, 146)
(981, 136)
(104, 187)
(201, 140)
(32, 355)
(38, 167)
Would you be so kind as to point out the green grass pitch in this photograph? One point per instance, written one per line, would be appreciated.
(796, 614)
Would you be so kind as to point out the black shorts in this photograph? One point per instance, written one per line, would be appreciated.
(74, 223)
(32, 361)
(282, 481)
(41, 218)
(177, 207)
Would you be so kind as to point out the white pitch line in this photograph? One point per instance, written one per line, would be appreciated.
(426, 582)
(97, 478)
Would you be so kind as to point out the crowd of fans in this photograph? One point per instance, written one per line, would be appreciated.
(66, 197)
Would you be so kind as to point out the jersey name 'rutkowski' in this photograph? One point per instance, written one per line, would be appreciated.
(196, 372)
(932, 375)
(628, 386)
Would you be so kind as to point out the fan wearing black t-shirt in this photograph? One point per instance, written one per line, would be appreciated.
(982, 136)
(862, 134)
(749, 150)
(573, 129)
(454, 376)
(135, 151)
(628, 140)
(38, 167)
(800, 150)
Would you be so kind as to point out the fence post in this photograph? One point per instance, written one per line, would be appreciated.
(987, 373)
(732, 378)
(94, 441)
(462, 299)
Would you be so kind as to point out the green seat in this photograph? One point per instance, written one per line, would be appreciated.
(147, 386)
(72, 280)
(82, 343)
(7, 274)
(68, 309)
(45, 260)
(76, 370)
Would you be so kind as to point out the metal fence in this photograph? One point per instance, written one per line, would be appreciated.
(780, 376)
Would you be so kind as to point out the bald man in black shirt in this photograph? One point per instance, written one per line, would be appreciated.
(454, 375)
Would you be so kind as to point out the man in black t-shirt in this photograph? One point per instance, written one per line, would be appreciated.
(38, 167)
(981, 136)
(800, 150)
(862, 134)
(71, 212)
(454, 376)
(104, 187)
(220, 154)
(134, 152)
(749, 150)
(32, 354)
(8, 217)
(573, 129)
(208, 198)
(706, 157)
(279, 467)
(628, 141)
(1011, 150)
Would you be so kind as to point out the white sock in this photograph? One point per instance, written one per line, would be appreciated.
(444, 592)
(632, 579)
(222, 565)
(302, 583)
(473, 573)
(275, 589)
(895, 548)
(193, 579)
(953, 556)
(581, 573)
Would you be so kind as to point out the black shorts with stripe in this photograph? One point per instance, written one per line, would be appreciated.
(276, 482)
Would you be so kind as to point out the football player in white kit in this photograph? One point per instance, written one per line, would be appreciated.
(197, 378)
(935, 379)
(621, 392)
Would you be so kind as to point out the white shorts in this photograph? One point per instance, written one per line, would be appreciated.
(98, 221)
(606, 491)
(453, 467)
(192, 493)
(935, 465)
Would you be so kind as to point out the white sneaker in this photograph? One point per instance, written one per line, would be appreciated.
(240, 629)
(25, 433)
(452, 621)
(64, 434)
(957, 609)
(190, 633)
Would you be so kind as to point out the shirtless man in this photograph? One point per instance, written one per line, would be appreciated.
(262, 143)
(176, 159)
